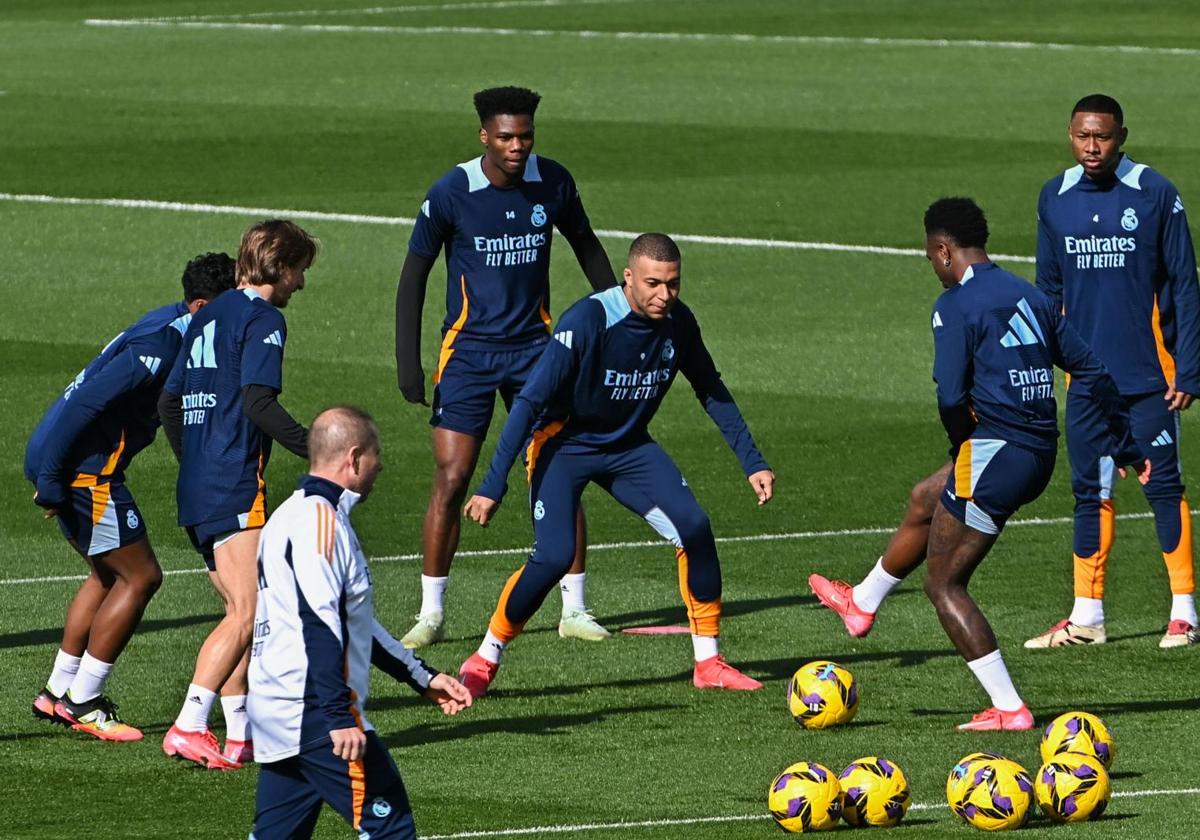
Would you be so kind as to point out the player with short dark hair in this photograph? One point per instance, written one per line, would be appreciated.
(221, 412)
(315, 640)
(1115, 253)
(493, 216)
(76, 459)
(996, 340)
(588, 404)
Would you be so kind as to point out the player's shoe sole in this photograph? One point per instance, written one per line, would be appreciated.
(838, 596)
(96, 717)
(476, 675)
(43, 708)
(1179, 634)
(579, 624)
(715, 672)
(198, 747)
(995, 720)
(428, 630)
(1067, 634)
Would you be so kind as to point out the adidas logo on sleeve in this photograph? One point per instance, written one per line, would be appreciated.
(274, 338)
(1024, 330)
(152, 363)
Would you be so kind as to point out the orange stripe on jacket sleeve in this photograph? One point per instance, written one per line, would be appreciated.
(452, 333)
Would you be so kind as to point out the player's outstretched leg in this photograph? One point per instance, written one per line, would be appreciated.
(647, 482)
(857, 605)
(955, 551)
(577, 621)
(76, 628)
(455, 455)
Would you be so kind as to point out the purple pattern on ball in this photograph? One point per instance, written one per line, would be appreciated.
(782, 782)
(893, 810)
(1073, 726)
(818, 772)
(981, 774)
(852, 697)
(1024, 784)
(887, 767)
(1083, 771)
(1102, 751)
(1068, 806)
(971, 811)
(795, 806)
(1048, 775)
(1002, 803)
(854, 793)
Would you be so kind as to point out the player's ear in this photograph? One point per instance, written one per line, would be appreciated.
(627, 274)
(196, 305)
(483, 135)
(1122, 136)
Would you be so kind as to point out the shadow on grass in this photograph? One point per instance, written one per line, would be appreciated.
(539, 725)
(1133, 707)
(51, 636)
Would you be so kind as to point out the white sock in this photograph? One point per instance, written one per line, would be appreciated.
(704, 647)
(491, 648)
(433, 594)
(193, 717)
(572, 588)
(65, 666)
(237, 723)
(876, 586)
(1089, 611)
(89, 680)
(1183, 608)
(994, 678)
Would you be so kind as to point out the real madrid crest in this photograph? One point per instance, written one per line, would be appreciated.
(538, 217)
(668, 351)
(1129, 219)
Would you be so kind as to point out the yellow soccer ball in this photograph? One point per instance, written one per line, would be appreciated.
(805, 797)
(995, 794)
(874, 792)
(822, 694)
(959, 772)
(1073, 787)
(1079, 732)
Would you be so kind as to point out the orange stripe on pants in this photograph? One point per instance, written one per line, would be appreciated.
(962, 471)
(1181, 567)
(500, 626)
(703, 616)
(101, 494)
(358, 791)
(1090, 571)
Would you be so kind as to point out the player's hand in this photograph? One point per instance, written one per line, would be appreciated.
(349, 744)
(451, 695)
(413, 387)
(481, 509)
(1142, 469)
(1178, 400)
(48, 512)
(763, 483)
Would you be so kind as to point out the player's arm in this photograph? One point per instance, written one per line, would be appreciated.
(1049, 272)
(262, 382)
(1072, 354)
(401, 664)
(554, 371)
(170, 405)
(1180, 303)
(575, 226)
(952, 371)
(123, 374)
(433, 229)
(696, 364)
(321, 567)
(410, 303)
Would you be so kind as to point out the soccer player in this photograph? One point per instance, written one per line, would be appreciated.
(493, 216)
(315, 639)
(221, 413)
(588, 403)
(76, 459)
(1115, 254)
(995, 340)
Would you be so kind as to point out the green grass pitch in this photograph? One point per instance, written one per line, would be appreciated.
(772, 136)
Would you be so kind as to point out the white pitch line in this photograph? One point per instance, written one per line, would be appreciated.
(572, 829)
(405, 221)
(386, 10)
(617, 546)
(680, 37)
